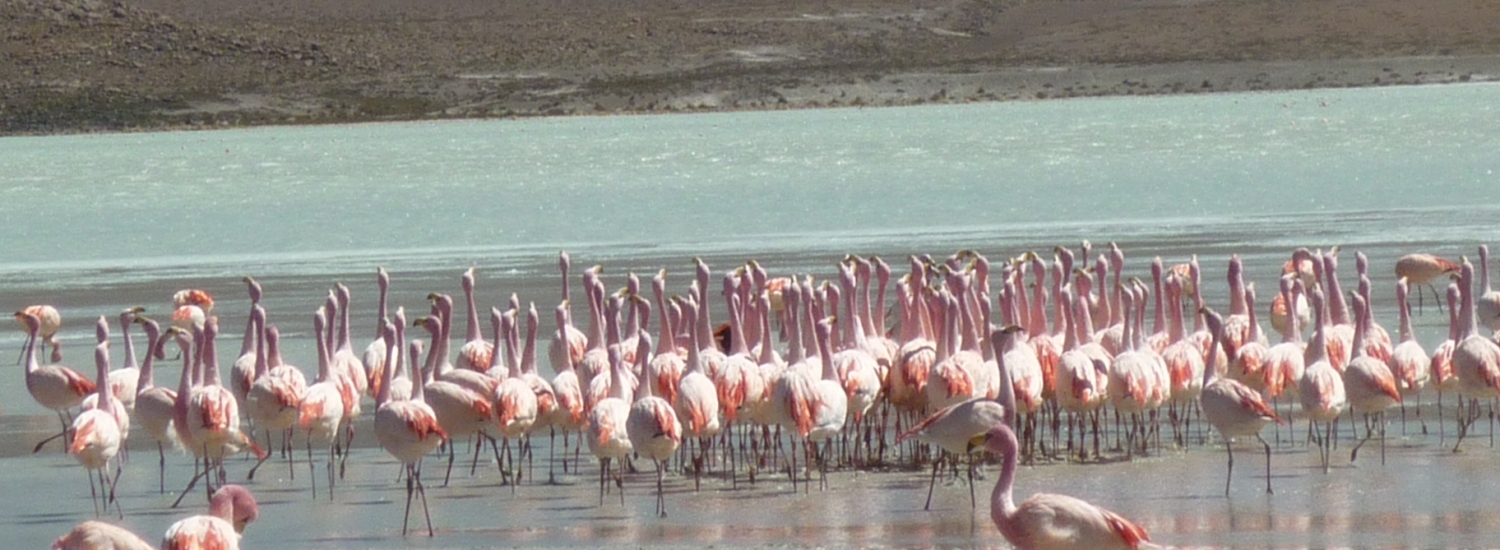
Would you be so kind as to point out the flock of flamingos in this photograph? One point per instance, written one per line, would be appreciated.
(1069, 344)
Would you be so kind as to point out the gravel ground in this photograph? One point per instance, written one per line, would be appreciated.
(92, 65)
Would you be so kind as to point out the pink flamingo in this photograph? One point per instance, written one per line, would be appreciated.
(191, 308)
(1237, 325)
(595, 359)
(231, 509)
(1409, 362)
(1159, 336)
(515, 403)
(918, 351)
(547, 406)
(1248, 362)
(829, 405)
(1368, 380)
(154, 404)
(1443, 379)
(568, 417)
(115, 407)
(1184, 360)
(713, 357)
(374, 355)
(1423, 269)
(668, 363)
(124, 382)
(97, 535)
(53, 386)
(1487, 302)
(322, 408)
(1285, 361)
(1302, 268)
(697, 403)
(408, 430)
(1340, 330)
(568, 343)
(354, 378)
(275, 397)
(1079, 389)
(1047, 521)
(1321, 388)
(476, 353)
(1132, 375)
(213, 414)
(1476, 359)
(461, 410)
(608, 435)
(242, 372)
(97, 436)
(652, 424)
(1231, 407)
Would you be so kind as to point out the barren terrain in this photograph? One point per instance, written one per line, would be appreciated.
(95, 65)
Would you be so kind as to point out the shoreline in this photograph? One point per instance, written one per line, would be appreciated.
(88, 66)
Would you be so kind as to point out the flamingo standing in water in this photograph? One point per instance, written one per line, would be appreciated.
(190, 308)
(1231, 407)
(1476, 359)
(53, 386)
(608, 435)
(115, 407)
(461, 410)
(515, 403)
(97, 436)
(652, 424)
(230, 510)
(97, 535)
(828, 404)
(154, 404)
(49, 321)
(697, 403)
(476, 352)
(568, 417)
(1184, 362)
(1443, 379)
(1422, 269)
(408, 430)
(1321, 388)
(1370, 385)
(568, 343)
(275, 397)
(124, 382)
(1409, 362)
(322, 408)
(374, 354)
(213, 414)
(1045, 521)
(242, 372)
(1286, 360)
(1487, 300)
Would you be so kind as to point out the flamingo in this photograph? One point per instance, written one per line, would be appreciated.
(1184, 359)
(97, 436)
(918, 352)
(124, 382)
(1341, 329)
(1368, 380)
(1409, 362)
(275, 397)
(1079, 389)
(408, 430)
(515, 403)
(242, 371)
(1321, 388)
(231, 509)
(322, 408)
(828, 405)
(1443, 379)
(1231, 407)
(608, 435)
(1047, 521)
(374, 354)
(461, 410)
(697, 403)
(97, 535)
(213, 414)
(1132, 373)
(1285, 361)
(953, 427)
(668, 363)
(1237, 325)
(115, 407)
(1476, 359)
(154, 404)
(476, 352)
(568, 343)
(568, 417)
(191, 308)
(354, 378)
(1248, 362)
(53, 386)
(1487, 302)
(1423, 269)
(652, 424)
(49, 322)
(1300, 268)
(855, 363)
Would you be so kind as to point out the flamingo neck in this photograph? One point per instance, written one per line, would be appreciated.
(1002, 504)
(129, 346)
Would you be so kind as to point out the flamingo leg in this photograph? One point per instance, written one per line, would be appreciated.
(1268, 463)
(416, 473)
(1230, 474)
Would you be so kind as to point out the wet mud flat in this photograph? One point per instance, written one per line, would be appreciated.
(1424, 495)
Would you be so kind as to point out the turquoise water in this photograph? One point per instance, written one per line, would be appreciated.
(97, 223)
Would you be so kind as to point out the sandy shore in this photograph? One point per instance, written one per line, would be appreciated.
(82, 65)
